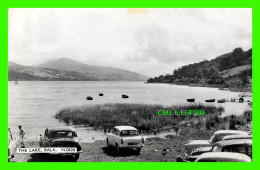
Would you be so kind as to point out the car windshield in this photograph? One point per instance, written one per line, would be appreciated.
(63, 134)
(215, 138)
(129, 133)
(216, 148)
(212, 138)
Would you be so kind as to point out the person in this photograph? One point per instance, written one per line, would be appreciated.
(21, 135)
(248, 118)
(232, 123)
(10, 133)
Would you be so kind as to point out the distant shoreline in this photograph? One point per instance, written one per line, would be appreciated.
(233, 89)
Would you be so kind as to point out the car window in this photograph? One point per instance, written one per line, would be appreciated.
(236, 148)
(114, 131)
(249, 150)
(129, 133)
(216, 148)
(63, 134)
(46, 132)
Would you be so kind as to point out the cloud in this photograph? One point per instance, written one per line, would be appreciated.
(147, 41)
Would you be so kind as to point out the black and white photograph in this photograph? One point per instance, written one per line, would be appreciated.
(129, 85)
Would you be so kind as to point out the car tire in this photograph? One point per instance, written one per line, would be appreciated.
(117, 148)
(108, 145)
(138, 150)
(76, 157)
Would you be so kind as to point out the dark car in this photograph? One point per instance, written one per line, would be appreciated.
(243, 146)
(61, 137)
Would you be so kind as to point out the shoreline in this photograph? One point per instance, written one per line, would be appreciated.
(232, 89)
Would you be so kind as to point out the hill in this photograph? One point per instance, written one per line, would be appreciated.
(232, 70)
(101, 73)
(65, 69)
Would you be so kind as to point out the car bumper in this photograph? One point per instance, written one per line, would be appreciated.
(72, 153)
(131, 146)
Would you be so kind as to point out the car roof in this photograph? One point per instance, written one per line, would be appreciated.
(61, 129)
(234, 142)
(237, 137)
(225, 156)
(120, 128)
(230, 132)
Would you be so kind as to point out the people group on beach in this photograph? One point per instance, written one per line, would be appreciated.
(233, 122)
(21, 136)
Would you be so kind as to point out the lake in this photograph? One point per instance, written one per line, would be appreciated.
(33, 104)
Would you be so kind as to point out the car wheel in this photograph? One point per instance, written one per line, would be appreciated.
(76, 157)
(108, 145)
(138, 150)
(117, 148)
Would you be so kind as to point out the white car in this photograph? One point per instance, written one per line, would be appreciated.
(125, 137)
(218, 135)
(223, 157)
(11, 147)
(236, 137)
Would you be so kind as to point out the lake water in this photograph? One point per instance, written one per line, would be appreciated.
(33, 104)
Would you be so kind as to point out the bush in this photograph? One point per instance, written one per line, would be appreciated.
(143, 117)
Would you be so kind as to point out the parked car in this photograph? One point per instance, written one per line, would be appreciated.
(223, 157)
(235, 137)
(125, 137)
(61, 137)
(11, 147)
(218, 135)
(243, 146)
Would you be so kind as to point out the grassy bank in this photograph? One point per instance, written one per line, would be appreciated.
(143, 117)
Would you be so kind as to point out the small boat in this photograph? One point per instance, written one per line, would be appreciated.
(124, 96)
(210, 100)
(89, 98)
(222, 101)
(190, 100)
(101, 94)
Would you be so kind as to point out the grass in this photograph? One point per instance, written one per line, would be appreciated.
(142, 116)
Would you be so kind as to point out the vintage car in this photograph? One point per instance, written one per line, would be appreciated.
(235, 137)
(11, 147)
(239, 146)
(223, 157)
(61, 137)
(125, 137)
(218, 135)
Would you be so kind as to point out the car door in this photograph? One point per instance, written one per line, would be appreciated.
(113, 135)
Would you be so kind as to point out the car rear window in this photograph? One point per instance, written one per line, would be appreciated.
(129, 133)
(63, 134)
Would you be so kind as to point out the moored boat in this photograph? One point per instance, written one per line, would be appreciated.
(210, 100)
(124, 96)
(190, 100)
(89, 98)
(222, 101)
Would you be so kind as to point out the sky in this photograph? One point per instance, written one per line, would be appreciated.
(147, 41)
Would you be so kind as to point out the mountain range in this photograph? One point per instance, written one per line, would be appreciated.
(64, 69)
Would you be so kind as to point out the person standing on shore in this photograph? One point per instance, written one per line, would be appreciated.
(10, 133)
(232, 123)
(248, 118)
(21, 135)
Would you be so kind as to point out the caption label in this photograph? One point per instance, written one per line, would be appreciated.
(47, 150)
